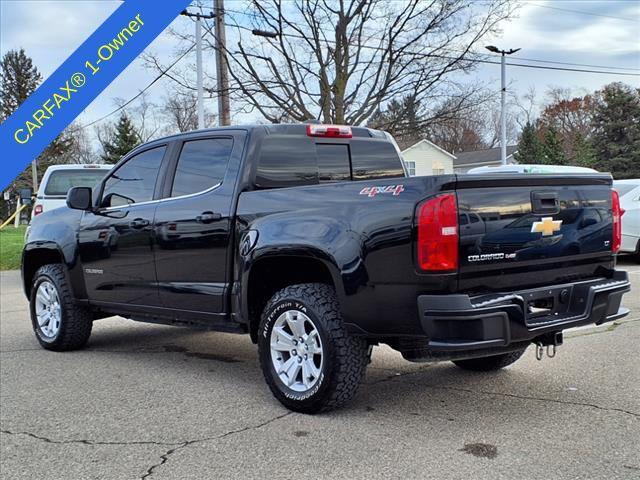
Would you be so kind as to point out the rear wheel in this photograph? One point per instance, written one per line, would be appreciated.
(59, 324)
(308, 359)
(489, 364)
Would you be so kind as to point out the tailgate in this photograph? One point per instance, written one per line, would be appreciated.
(528, 230)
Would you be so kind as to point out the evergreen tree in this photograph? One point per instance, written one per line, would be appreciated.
(529, 146)
(616, 139)
(122, 140)
(552, 148)
(18, 80)
(583, 153)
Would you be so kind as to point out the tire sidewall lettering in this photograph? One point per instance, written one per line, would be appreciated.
(281, 307)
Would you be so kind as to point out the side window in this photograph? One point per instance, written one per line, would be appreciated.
(474, 218)
(333, 162)
(201, 165)
(135, 180)
(462, 219)
(371, 160)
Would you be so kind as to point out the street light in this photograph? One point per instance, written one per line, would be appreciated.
(503, 99)
(263, 33)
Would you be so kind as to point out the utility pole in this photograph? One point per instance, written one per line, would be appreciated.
(224, 117)
(503, 100)
(34, 175)
(199, 79)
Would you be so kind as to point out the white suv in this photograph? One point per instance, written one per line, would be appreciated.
(57, 181)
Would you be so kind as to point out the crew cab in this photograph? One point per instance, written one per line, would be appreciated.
(312, 240)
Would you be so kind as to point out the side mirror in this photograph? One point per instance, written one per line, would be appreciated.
(79, 198)
(587, 222)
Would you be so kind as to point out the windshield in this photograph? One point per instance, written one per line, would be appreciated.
(61, 181)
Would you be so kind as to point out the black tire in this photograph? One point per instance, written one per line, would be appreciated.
(75, 321)
(489, 364)
(345, 357)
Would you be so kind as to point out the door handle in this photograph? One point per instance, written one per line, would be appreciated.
(139, 223)
(208, 217)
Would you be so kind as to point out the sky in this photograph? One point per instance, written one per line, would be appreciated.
(602, 33)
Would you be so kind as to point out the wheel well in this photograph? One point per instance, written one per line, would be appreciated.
(274, 273)
(33, 260)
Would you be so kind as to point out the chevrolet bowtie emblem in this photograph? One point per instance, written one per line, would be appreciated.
(547, 226)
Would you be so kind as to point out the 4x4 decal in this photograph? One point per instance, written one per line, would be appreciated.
(395, 190)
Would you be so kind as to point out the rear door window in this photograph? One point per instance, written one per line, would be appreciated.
(202, 164)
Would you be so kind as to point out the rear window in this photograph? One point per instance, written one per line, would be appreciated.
(287, 161)
(60, 181)
(371, 160)
(333, 162)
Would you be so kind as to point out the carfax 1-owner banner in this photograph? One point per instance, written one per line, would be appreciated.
(80, 79)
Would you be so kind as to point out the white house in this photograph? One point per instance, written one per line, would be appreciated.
(426, 158)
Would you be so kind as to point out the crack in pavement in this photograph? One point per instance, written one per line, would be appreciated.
(85, 441)
(521, 397)
(164, 458)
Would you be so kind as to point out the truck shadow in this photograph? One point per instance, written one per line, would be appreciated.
(390, 382)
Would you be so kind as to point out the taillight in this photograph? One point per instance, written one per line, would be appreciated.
(617, 221)
(437, 247)
(331, 131)
(37, 210)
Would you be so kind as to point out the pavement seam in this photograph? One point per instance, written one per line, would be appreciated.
(164, 458)
(524, 397)
(84, 441)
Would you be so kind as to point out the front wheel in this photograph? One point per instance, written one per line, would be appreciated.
(308, 359)
(489, 364)
(58, 322)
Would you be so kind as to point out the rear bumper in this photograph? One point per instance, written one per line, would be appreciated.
(462, 323)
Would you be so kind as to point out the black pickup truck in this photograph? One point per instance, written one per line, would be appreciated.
(312, 239)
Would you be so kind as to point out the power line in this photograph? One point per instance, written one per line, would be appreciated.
(133, 99)
(492, 62)
(570, 10)
(537, 60)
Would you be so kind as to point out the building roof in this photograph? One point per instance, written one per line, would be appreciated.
(427, 142)
(481, 157)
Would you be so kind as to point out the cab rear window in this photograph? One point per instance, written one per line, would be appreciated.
(287, 161)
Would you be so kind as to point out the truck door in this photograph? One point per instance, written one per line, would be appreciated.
(193, 223)
(116, 242)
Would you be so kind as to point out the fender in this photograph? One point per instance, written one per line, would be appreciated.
(53, 237)
(328, 242)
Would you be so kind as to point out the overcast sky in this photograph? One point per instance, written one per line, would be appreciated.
(603, 33)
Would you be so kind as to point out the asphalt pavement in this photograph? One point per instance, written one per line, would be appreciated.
(158, 402)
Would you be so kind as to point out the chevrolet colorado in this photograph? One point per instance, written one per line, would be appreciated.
(312, 240)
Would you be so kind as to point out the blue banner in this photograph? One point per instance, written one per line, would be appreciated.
(80, 79)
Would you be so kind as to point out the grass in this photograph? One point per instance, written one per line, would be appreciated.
(11, 242)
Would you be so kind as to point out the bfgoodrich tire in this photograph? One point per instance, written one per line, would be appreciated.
(489, 364)
(59, 324)
(308, 359)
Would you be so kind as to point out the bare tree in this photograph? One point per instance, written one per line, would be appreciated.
(80, 149)
(341, 61)
(180, 110)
